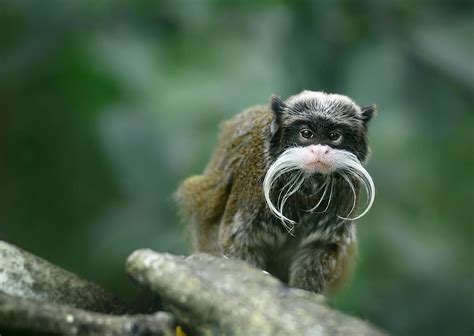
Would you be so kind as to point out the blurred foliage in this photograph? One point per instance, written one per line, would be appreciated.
(107, 105)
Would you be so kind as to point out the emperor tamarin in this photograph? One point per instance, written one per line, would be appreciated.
(282, 186)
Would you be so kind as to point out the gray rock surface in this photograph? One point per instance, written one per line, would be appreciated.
(215, 296)
(25, 275)
(35, 316)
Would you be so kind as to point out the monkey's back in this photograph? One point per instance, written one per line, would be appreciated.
(232, 179)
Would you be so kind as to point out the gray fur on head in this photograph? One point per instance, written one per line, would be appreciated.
(335, 106)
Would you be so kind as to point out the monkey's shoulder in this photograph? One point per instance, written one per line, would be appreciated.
(242, 140)
(248, 123)
(237, 159)
(247, 137)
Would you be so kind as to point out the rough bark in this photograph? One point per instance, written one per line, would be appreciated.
(207, 295)
(35, 316)
(215, 296)
(25, 275)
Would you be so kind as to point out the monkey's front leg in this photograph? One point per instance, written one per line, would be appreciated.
(314, 266)
(239, 241)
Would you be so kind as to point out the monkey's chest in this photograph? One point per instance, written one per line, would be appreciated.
(280, 256)
(282, 250)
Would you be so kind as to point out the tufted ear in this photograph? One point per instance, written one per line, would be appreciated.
(278, 106)
(368, 112)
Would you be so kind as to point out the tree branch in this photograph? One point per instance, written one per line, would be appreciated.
(30, 315)
(214, 296)
(25, 275)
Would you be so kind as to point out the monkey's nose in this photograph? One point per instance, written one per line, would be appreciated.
(319, 149)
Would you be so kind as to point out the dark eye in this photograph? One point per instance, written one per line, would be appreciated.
(335, 136)
(306, 133)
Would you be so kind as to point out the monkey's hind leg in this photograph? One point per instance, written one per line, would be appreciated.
(204, 236)
(203, 199)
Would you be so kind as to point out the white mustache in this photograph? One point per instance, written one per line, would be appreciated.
(344, 163)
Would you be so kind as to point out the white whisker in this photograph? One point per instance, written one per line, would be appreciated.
(287, 187)
(323, 185)
(320, 200)
(342, 162)
(349, 162)
(326, 186)
(294, 188)
(354, 196)
(287, 162)
(330, 196)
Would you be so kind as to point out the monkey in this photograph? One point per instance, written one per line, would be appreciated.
(281, 187)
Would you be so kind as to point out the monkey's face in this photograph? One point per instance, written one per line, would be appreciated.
(317, 134)
(322, 124)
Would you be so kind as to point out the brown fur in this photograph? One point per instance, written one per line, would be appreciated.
(208, 198)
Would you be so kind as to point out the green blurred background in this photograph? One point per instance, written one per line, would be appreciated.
(105, 106)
